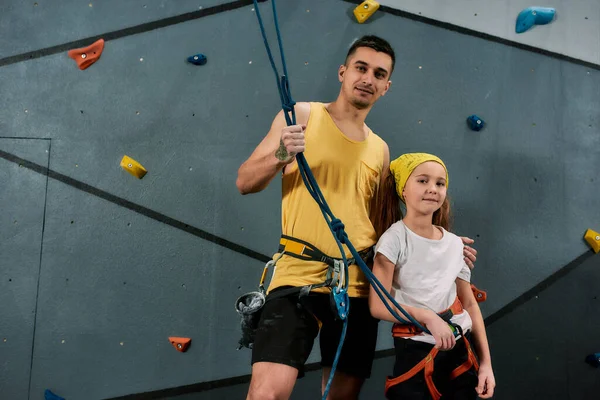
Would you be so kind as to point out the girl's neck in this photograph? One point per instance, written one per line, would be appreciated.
(423, 226)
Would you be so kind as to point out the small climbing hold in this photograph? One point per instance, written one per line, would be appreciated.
(480, 295)
(181, 344)
(534, 16)
(364, 10)
(593, 360)
(48, 395)
(475, 123)
(86, 56)
(197, 59)
(133, 167)
(593, 239)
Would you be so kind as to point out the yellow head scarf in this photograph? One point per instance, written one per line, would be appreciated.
(404, 165)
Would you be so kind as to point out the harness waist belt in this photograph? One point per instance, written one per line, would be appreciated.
(303, 250)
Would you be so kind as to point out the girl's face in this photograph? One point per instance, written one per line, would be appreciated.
(425, 189)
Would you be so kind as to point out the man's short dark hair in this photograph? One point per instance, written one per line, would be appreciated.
(374, 42)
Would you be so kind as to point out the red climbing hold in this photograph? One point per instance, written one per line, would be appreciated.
(180, 343)
(480, 295)
(86, 56)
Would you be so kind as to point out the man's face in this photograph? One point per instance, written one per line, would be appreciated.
(365, 78)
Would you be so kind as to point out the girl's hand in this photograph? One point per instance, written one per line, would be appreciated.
(441, 331)
(487, 382)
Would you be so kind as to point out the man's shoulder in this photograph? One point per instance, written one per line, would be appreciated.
(302, 110)
(375, 135)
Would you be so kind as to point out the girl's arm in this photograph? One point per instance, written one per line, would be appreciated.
(466, 297)
(487, 382)
(383, 269)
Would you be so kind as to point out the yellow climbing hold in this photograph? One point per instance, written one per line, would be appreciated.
(133, 167)
(364, 10)
(593, 239)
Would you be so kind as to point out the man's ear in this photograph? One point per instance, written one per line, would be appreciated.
(387, 88)
(341, 71)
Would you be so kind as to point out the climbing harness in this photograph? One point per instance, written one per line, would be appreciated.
(250, 305)
(340, 292)
(335, 277)
(427, 364)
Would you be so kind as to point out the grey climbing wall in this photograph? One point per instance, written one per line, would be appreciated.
(126, 263)
(574, 32)
(22, 198)
(539, 349)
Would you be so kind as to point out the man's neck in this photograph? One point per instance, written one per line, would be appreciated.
(343, 111)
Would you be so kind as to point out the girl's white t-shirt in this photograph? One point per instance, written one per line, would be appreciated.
(426, 270)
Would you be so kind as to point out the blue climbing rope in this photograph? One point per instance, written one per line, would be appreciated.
(335, 225)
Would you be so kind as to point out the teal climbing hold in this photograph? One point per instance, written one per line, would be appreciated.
(197, 59)
(534, 16)
(475, 123)
(593, 360)
(48, 395)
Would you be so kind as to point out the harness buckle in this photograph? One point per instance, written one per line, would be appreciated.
(333, 273)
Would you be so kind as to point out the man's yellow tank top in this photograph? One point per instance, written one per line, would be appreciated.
(348, 173)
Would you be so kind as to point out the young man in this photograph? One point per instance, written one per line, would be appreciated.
(348, 161)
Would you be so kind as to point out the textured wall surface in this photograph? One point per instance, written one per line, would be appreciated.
(575, 31)
(22, 198)
(125, 263)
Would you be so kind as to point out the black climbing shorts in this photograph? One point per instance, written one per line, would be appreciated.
(288, 328)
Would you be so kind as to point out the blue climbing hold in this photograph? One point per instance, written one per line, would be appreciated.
(593, 360)
(197, 59)
(534, 16)
(48, 395)
(475, 123)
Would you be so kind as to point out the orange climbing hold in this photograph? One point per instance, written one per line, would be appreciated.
(180, 343)
(86, 56)
(480, 295)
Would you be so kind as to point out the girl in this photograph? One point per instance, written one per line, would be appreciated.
(420, 263)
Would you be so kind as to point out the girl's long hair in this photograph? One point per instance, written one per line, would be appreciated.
(389, 211)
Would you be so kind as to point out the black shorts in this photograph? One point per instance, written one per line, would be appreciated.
(410, 352)
(288, 328)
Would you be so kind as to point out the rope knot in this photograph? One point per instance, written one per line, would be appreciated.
(338, 228)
